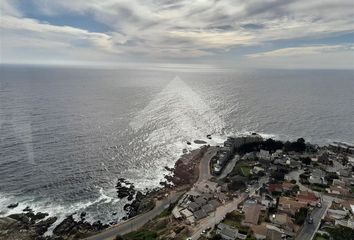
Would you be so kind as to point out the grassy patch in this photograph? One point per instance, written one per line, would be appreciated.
(141, 235)
(234, 219)
(320, 237)
(241, 168)
(246, 171)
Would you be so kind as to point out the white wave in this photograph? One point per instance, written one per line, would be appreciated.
(61, 211)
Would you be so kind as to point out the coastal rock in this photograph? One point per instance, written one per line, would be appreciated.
(22, 218)
(20, 227)
(125, 189)
(8, 223)
(83, 215)
(184, 169)
(27, 209)
(169, 169)
(65, 227)
(141, 204)
(71, 229)
(42, 226)
(13, 205)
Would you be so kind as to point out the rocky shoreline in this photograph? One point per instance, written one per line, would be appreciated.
(31, 225)
(184, 174)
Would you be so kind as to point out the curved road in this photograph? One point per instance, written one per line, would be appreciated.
(137, 222)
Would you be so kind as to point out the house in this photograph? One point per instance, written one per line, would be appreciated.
(268, 201)
(346, 172)
(341, 147)
(252, 213)
(277, 154)
(208, 208)
(264, 155)
(200, 200)
(186, 213)
(199, 214)
(193, 206)
(207, 196)
(279, 219)
(273, 234)
(346, 223)
(215, 203)
(275, 187)
(284, 187)
(324, 158)
(339, 190)
(337, 213)
(228, 232)
(260, 231)
(190, 220)
(308, 197)
(290, 205)
(318, 177)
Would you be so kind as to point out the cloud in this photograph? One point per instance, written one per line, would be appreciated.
(159, 29)
(338, 56)
(303, 50)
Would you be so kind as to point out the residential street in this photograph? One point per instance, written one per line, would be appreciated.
(309, 230)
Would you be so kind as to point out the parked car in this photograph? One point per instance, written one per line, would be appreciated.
(310, 220)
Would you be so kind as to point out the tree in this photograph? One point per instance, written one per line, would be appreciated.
(217, 237)
(300, 216)
(297, 146)
(272, 145)
(341, 233)
(236, 185)
(306, 160)
(278, 176)
(119, 237)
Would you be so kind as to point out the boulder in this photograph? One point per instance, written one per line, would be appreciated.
(13, 205)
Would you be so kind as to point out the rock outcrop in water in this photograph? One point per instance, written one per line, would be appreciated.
(142, 203)
(71, 229)
(29, 225)
(125, 189)
(25, 225)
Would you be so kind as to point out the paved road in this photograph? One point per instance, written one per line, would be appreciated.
(309, 230)
(204, 166)
(296, 176)
(137, 222)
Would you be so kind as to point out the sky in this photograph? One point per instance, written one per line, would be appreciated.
(225, 33)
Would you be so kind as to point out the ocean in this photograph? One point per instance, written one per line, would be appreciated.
(67, 134)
